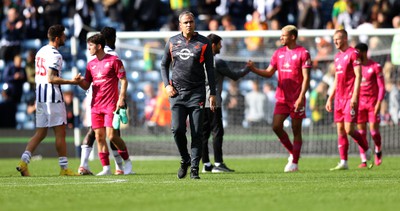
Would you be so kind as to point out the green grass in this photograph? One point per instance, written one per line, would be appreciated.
(169, 138)
(257, 184)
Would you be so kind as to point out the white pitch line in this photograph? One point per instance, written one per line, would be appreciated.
(97, 181)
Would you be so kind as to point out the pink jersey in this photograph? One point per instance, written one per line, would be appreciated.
(104, 76)
(344, 64)
(372, 83)
(290, 64)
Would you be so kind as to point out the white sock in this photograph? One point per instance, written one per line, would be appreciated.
(119, 165)
(217, 164)
(85, 153)
(26, 157)
(63, 162)
(207, 164)
(106, 168)
(343, 162)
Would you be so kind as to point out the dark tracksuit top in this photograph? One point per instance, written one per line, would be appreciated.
(189, 61)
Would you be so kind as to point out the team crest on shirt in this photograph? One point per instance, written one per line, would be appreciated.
(346, 57)
(370, 70)
(107, 65)
(294, 57)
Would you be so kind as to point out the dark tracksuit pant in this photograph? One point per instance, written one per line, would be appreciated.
(213, 125)
(188, 103)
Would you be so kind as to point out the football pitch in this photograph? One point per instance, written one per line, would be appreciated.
(257, 184)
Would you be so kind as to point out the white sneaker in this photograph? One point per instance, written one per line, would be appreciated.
(290, 160)
(340, 166)
(291, 167)
(128, 167)
(104, 173)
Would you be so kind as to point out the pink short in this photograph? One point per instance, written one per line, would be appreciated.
(102, 117)
(366, 111)
(288, 108)
(343, 111)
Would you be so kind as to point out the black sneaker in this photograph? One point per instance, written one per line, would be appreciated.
(207, 169)
(221, 168)
(194, 173)
(182, 171)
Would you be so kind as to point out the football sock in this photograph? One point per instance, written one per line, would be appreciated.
(106, 168)
(343, 162)
(85, 153)
(363, 157)
(296, 150)
(286, 143)
(124, 154)
(343, 146)
(63, 162)
(26, 157)
(376, 136)
(362, 154)
(118, 160)
(360, 140)
(105, 161)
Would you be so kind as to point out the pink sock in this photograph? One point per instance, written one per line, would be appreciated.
(376, 136)
(363, 157)
(124, 154)
(286, 143)
(343, 146)
(360, 140)
(296, 150)
(105, 161)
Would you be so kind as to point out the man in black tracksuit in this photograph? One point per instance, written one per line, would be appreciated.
(213, 120)
(190, 56)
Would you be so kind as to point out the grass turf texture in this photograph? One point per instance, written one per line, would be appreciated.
(257, 184)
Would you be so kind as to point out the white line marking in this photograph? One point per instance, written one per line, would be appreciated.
(32, 183)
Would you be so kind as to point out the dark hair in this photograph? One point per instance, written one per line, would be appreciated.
(214, 39)
(55, 31)
(97, 39)
(110, 34)
(362, 47)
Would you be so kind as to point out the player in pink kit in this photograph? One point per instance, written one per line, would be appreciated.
(104, 72)
(346, 90)
(372, 91)
(293, 64)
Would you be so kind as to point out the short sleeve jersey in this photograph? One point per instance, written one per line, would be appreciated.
(48, 58)
(344, 64)
(290, 64)
(371, 72)
(104, 75)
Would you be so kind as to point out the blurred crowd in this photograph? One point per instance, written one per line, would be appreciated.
(24, 24)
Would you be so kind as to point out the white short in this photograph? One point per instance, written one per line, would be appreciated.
(50, 114)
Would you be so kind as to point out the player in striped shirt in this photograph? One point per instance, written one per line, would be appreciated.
(50, 106)
(372, 91)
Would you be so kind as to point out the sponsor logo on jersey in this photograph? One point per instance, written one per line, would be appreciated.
(185, 54)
